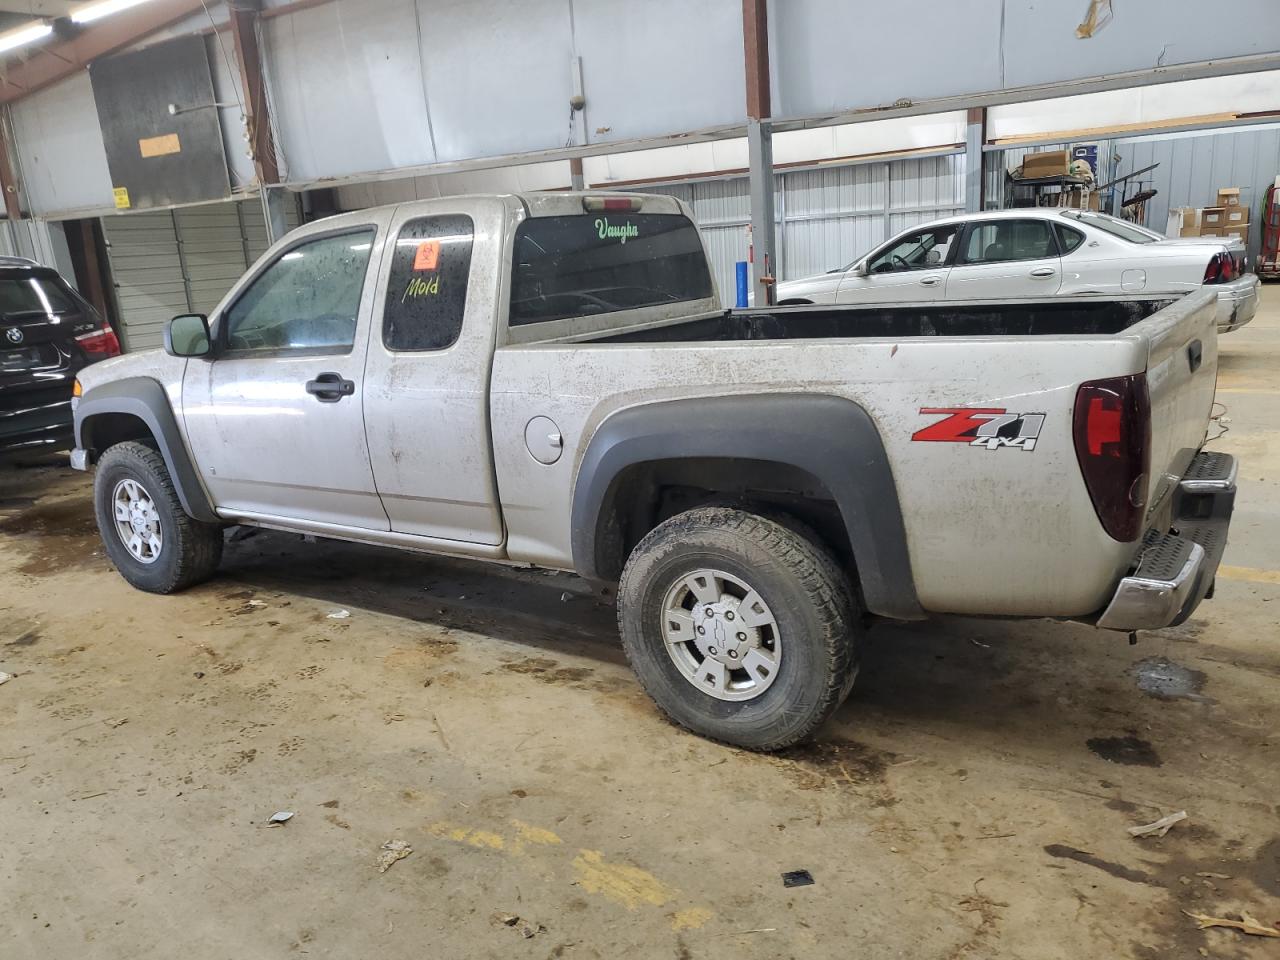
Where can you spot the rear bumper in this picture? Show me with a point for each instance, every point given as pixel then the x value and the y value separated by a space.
pixel 1238 302
pixel 1175 569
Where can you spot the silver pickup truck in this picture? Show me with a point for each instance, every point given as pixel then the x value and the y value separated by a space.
pixel 551 380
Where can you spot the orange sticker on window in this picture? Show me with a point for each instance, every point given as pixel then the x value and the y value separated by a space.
pixel 428 255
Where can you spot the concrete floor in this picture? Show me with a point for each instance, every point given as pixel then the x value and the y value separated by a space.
pixel 969 801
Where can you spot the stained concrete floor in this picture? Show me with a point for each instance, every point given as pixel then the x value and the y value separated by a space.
pixel 969 801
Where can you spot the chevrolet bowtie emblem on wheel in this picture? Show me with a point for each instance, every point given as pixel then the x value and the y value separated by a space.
pixel 13 335
pixel 990 427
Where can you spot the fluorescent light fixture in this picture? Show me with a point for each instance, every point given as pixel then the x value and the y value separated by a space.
pixel 36 30
pixel 103 8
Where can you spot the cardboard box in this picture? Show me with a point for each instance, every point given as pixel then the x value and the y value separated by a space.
pixel 1190 216
pixel 1190 231
pixel 1211 231
pixel 1241 232
pixel 1228 197
pixel 1237 216
pixel 1213 216
pixel 1050 163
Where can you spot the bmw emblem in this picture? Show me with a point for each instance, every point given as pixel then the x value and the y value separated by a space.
pixel 13 334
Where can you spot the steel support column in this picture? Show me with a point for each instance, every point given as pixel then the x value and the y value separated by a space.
pixel 755 37
pixel 575 174
pixel 273 199
pixel 257 119
pixel 974 140
pixel 8 182
pixel 763 235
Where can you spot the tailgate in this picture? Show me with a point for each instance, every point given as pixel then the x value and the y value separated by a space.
pixel 1182 373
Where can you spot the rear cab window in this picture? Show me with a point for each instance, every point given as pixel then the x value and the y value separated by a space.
pixel 427 286
pixel 566 267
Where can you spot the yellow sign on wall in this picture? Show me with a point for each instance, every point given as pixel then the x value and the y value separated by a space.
pixel 122 197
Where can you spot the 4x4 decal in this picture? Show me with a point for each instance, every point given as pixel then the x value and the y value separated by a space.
pixel 990 427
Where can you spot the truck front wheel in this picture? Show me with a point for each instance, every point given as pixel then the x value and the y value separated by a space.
pixel 151 540
pixel 740 628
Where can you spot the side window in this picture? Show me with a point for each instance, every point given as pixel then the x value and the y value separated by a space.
pixel 1068 237
pixel 916 251
pixel 427 288
pixel 997 241
pixel 308 299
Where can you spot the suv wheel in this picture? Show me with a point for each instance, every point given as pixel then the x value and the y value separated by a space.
pixel 741 628
pixel 151 540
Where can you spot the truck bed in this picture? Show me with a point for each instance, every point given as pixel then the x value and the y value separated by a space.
pixel 1080 315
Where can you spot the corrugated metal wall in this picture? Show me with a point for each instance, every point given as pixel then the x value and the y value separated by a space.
pixel 827 217
pixel 181 261
pixel 1192 168
pixel 38 240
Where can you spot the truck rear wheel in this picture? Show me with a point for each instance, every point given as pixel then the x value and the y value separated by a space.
pixel 151 540
pixel 741 629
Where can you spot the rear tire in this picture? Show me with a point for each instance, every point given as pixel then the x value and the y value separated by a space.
pixel 740 628
pixel 151 540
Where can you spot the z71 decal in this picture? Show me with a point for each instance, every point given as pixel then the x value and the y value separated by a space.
pixel 990 427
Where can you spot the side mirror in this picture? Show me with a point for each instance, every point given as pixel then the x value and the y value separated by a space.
pixel 187 335
pixel 863 269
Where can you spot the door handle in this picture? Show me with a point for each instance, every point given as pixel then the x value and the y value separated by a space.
pixel 330 387
pixel 929 281
pixel 1043 272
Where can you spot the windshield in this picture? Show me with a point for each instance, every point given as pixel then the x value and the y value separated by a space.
pixel 1117 228
pixel 579 266
pixel 40 296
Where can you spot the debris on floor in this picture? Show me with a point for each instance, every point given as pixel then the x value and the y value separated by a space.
pixel 117 722
pixel 797 878
pixel 527 928
pixel 392 851
pixel 339 614
pixel 5 677
pixel 1246 924
pixel 284 816
pixel 1160 827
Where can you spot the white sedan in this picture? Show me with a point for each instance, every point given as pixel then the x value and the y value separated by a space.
pixel 1036 252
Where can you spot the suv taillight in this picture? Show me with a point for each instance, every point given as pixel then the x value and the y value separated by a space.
pixel 1112 427
pixel 99 344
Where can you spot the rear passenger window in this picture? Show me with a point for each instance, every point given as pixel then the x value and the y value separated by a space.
pixel 427 288
pixel 999 240
pixel 1068 237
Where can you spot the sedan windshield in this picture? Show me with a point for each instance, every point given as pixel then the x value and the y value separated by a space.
pixel 1117 228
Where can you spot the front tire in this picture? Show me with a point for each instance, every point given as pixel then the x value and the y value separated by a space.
pixel 151 540
pixel 741 629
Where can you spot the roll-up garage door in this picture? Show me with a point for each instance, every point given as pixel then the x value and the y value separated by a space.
pixel 181 261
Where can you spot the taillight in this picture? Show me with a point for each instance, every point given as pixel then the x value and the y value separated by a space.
pixel 1221 269
pixel 99 344
pixel 1112 428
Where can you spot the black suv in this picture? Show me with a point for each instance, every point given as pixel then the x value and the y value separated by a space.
pixel 48 332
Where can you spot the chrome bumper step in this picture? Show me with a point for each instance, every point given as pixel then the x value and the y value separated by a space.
pixel 1176 569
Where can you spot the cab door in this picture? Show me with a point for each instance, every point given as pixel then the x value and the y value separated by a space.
pixel 275 418
pixel 1006 258
pixel 427 375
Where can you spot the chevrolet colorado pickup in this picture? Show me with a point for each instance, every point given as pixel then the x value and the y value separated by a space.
pixel 551 380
